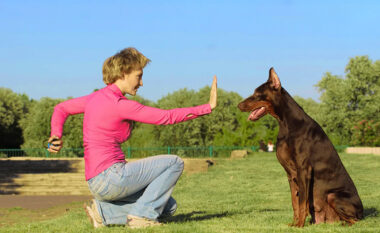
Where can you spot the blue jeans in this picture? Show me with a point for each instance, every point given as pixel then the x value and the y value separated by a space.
pixel 141 188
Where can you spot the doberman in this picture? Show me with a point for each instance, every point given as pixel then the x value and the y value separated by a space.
pixel 319 183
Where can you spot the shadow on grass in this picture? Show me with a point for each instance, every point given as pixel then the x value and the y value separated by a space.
pixel 370 212
pixel 189 217
pixel 269 210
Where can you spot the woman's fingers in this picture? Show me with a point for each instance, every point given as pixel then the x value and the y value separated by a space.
pixel 53 138
pixel 54 148
pixel 52 151
pixel 54 144
pixel 214 83
pixel 213 93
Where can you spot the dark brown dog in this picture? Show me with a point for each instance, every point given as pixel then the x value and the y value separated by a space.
pixel 319 183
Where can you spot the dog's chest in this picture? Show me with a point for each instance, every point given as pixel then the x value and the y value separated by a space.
pixel 285 155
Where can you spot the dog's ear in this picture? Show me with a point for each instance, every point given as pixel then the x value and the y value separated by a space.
pixel 273 79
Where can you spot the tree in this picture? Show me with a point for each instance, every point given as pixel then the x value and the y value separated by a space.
pixel 248 133
pixel 36 123
pixel 347 101
pixel 36 127
pixel 12 108
pixel 200 131
pixel 311 107
pixel 363 79
pixel 366 133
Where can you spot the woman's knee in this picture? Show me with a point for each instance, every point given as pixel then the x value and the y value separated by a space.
pixel 173 162
pixel 178 162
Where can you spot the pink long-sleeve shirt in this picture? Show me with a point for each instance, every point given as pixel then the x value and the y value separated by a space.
pixel 107 123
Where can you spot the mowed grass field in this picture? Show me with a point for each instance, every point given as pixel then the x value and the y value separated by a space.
pixel 239 195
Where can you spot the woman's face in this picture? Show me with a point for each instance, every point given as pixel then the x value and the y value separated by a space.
pixel 132 82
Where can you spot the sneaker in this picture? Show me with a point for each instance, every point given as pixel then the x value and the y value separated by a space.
pixel 139 222
pixel 93 214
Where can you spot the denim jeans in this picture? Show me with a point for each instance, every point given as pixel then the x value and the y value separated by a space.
pixel 141 188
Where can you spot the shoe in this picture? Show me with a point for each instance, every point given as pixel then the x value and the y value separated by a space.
pixel 139 222
pixel 93 214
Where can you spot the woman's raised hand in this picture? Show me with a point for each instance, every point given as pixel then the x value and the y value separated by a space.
pixel 213 93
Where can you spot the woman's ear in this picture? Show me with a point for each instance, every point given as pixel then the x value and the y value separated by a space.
pixel 124 76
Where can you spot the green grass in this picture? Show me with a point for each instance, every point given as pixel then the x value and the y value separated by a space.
pixel 246 195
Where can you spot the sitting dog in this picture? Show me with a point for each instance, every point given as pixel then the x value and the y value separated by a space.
pixel 319 183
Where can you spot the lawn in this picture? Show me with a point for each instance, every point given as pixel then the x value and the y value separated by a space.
pixel 240 195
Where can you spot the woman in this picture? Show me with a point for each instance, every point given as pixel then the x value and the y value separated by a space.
pixel 135 193
pixel 270 146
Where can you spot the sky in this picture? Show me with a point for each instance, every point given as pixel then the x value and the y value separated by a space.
pixel 57 48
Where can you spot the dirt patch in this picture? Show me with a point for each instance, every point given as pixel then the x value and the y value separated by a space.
pixel 37 202
pixel 27 209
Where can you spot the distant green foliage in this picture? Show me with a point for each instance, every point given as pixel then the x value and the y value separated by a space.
pixel 311 107
pixel 348 111
pixel 12 109
pixel 347 101
pixel 36 126
pixel 248 133
pixel 36 123
pixel 366 133
pixel 203 130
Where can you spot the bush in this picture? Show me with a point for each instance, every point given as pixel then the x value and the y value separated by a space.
pixel 366 133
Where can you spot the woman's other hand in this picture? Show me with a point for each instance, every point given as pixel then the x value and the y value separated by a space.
pixel 213 93
pixel 55 144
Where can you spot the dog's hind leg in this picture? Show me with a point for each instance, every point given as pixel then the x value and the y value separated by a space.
pixel 331 214
pixel 342 208
pixel 319 205
pixel 319 212
pixel 304 177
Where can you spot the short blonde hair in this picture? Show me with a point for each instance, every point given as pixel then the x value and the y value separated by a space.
pixel 123 62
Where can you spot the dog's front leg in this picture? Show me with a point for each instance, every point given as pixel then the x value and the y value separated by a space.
pixel 295 202
pixel 304 177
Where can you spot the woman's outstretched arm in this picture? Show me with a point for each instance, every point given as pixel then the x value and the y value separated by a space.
pixel 132 110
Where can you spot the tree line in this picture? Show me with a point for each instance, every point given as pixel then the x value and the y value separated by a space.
pixel 348 111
